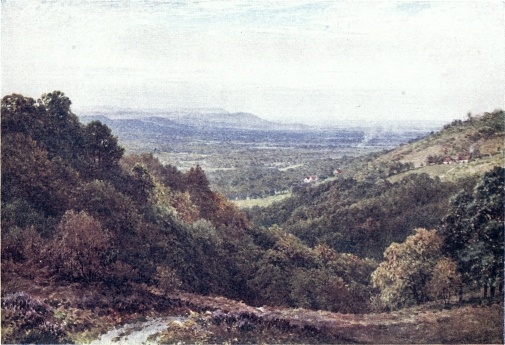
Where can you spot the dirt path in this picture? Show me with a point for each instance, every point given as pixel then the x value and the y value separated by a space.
pixel 137 333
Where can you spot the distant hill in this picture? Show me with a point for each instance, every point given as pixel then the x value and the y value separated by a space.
pixel 197 119
pixel 233 120
pixel 144 127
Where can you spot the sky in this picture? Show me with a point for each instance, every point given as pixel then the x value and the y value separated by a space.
pixel 315 62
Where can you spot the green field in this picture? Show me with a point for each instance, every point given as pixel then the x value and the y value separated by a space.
pixel 262 202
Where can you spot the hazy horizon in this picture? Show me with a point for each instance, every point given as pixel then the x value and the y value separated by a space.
pixel 312 62
pixel 115 113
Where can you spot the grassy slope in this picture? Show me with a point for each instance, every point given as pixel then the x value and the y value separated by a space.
pixel 453 172
pixel 452 141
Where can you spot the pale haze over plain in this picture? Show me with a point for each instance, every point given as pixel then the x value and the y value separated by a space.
pixel 313 62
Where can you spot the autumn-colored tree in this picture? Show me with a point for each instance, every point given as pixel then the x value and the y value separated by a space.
pixel 445 281
pixel 403 276
pixel 12 245
pixel 80 248
pixel 185 209
pixel 22 252
pixel 29 174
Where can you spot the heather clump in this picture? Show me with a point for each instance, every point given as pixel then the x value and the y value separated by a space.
pixel 26 319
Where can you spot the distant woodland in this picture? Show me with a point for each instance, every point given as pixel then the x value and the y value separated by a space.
pixel 78 212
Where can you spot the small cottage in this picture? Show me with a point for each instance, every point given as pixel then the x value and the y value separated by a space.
pixel 310 179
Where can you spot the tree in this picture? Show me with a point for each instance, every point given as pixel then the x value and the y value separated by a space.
pixel 473 232
pixel 141 185
pixel 101 149
pixel 445 280
pixel 62 135
pixel 197 183
pixel 115 210
pixel 29 174
pixel 56 104
pixel 271 278
pixel 403 276
pixel 21 114
pixel 319 289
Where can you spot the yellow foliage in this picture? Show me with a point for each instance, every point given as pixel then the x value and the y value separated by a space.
pixel 403 276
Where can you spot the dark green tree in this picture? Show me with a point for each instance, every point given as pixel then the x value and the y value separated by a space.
pixel 63 135
pixel 473 232
pixel 21 114
pixel 101 149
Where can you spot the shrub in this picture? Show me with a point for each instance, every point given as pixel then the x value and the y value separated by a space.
pixel 167 279
pixel 79 250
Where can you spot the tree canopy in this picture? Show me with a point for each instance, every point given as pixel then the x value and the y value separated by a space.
pixel 473 231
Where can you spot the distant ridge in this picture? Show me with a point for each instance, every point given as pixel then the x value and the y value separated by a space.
pixel 196 118
pixel 234 120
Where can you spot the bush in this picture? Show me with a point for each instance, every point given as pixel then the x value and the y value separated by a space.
pixel 167 279
pixel 80 248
